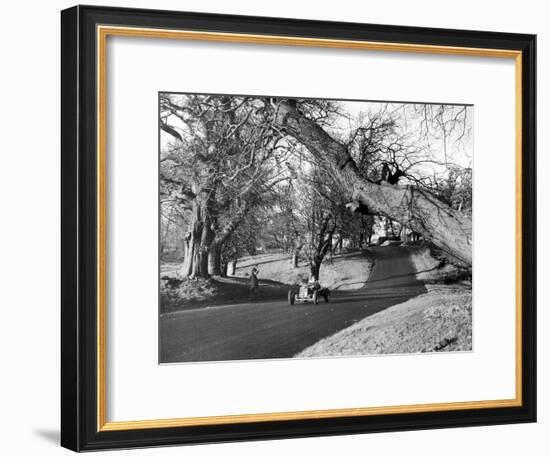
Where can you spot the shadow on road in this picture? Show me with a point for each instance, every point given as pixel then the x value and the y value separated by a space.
pixel 273 329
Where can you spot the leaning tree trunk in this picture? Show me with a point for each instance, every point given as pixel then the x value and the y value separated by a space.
pixel 410 206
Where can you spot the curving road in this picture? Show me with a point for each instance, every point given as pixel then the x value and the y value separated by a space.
pixel 273 329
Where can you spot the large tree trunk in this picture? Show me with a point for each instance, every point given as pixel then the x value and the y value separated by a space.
pixel 324 245
pixel 201 267
pixel 215 259
pixel 194 265
pixel 315 267
pixel 216 245
pixel 188 248
pixel 198 240
pixel 318 257
pixel 409 205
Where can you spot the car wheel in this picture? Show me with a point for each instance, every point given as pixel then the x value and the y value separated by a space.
pixel 291 297
pixel 315 298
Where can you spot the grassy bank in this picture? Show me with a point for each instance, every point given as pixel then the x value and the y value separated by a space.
pixel 200 293
pixel 347 271
pixel 344 272
pixel 440 320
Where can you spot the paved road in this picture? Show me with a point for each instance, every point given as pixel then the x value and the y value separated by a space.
pixel 273 329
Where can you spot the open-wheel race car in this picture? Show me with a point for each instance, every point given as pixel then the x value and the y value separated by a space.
pixel 308 294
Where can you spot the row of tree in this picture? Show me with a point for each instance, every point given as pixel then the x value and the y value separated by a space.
pixel 238 173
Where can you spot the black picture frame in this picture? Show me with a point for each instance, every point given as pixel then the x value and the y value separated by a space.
pixel 79 200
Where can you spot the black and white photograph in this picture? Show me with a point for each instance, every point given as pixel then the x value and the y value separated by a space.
pixel 299 227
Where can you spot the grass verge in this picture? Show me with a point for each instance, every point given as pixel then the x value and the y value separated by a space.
pixel 440 320
pixel 346 271
pixel 201 293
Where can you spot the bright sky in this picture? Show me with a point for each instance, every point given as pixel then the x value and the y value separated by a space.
pixel 459 143
pixel 459 149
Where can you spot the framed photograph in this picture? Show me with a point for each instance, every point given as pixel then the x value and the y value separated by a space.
pixel 277 228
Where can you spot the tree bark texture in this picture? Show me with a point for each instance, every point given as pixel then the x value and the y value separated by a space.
pixel 199 238
pixel 215 248
pixel 323 246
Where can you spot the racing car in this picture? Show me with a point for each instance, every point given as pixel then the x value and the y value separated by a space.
pixel 308 294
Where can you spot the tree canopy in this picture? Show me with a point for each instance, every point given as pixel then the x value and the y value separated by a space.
pixel 242 173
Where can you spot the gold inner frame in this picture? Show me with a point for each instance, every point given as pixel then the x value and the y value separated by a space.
pixel 101 34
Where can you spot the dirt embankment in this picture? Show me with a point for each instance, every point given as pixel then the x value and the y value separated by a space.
pixel 440 320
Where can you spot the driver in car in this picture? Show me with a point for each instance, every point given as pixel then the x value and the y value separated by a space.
pixel 313 283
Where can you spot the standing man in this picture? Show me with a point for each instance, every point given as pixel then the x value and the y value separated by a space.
pixel 254 280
